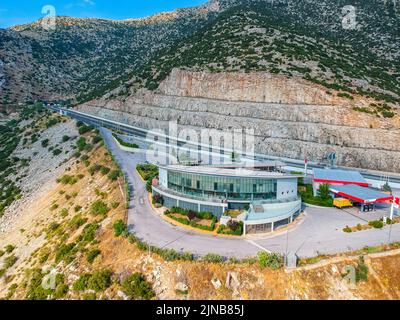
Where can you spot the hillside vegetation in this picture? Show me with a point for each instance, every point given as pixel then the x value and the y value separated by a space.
pixel 260 38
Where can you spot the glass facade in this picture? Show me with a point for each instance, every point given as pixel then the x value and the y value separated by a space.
pixel 222 187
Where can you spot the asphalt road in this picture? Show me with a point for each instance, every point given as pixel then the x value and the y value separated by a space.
pixel 319 232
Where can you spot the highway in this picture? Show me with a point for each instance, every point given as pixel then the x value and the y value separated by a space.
pixel 143 133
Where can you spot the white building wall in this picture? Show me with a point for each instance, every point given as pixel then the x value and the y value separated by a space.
pixel 286 188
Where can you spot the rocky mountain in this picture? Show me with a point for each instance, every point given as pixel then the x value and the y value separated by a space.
pixel 84 58
pixel 81 57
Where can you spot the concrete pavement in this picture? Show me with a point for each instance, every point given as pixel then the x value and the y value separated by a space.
pixel 320 232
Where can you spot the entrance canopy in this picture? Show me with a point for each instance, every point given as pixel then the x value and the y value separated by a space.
pixel 360 194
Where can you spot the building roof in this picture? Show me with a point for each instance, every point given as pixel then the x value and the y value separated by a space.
pixel 339 176
pixel 254 164
pixel 360 194
pixel 239 172
pixel 269 212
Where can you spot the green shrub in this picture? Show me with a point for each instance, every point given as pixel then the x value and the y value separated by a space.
pixel 308 197
pixel 35 289
pixel 81 144
pixel 347 229
pixel 61 291
pixel 57 152
pixel 94 168
pixel 104 170
pixel 67 179
pixel 99 208
pixel 115 205
pixel 10 261
pixel 91 296
pixel 120 228
pixel 45 143
pixel 9 248
pixel 65 252
pixel 124 143
pixel 76 222
pixel 273 261
pixel 89 232
pixel 361 270
pixel 65 138
pixel 213 258
pixel 235 229
pixel 147 171
pixel 85 129
pixel 92 254
pixel 81 283
pixel 136 287
pixel 96 139
pixel 100 280
pixel 377 224
pixel 54 206
pixel 114 175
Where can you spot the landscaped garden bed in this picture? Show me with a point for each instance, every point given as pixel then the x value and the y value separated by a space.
pixel 200 220
pixel 124 143
pixel 374 224
pixel 148 172
pixel 322 199
pixel 233 228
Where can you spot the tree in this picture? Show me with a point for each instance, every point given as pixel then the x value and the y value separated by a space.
pixel 323 191
pixel 136 287
pixel 386 188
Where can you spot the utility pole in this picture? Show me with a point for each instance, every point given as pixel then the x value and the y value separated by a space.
pixel 305 167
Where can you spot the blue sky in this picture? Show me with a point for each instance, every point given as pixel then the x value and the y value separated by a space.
pixel 13 12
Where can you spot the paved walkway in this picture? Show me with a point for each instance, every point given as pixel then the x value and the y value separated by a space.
pixel 319 232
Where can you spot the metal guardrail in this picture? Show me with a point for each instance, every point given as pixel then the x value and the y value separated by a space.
pixel 140 132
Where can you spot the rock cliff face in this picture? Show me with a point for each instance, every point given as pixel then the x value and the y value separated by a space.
pixel 290 117
pixel 251 87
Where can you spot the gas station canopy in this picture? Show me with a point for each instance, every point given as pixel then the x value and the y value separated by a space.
pixel 360 194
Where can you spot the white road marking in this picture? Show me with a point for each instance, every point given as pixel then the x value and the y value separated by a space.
pixel 258 246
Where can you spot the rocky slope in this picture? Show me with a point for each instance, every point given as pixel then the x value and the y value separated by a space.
pixel 290 117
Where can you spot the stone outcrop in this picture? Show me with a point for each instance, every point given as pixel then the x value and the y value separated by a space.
pixel 251 87
pixel 290 117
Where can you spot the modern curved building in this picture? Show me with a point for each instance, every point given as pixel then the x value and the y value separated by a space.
pixel 217 189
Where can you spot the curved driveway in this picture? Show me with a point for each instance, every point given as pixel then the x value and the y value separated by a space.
pixel 319 232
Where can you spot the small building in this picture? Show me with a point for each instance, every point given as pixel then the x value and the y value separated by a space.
pixel 335 177
pixel 366 197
